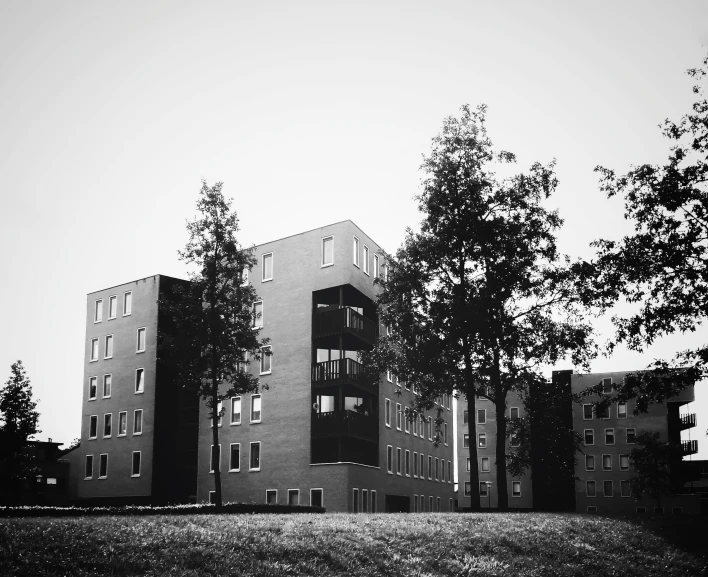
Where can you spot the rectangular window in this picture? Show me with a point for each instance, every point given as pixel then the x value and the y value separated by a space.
pixel 138 422
pixel 398 416
pixel 266 360
pixel 609 436
pixel 293 496
pixel 590 488
pixel 621 410
pixel 373 501
pixel 356 251
pixel 236 410
pixel 272 496
pixel 430 503
pixel 98 311
pixel 624 462
pixel 589 462
pixel 255 459
pixel 258 315
pixel 483 489
pixel 388 377
pixel 376 266
pixel 327 251
pixel 607 386
pixel 415 464
pixel 421 475
pixel 485 465
pixel 88 468
pixel 430 428
pixel 364 501
pixel 215 460
pixel 606 462
pixel 587 412
pixel 430 467
pixel 387 412
pixel 481 416
pixel 112 307
pixel 108 349
pixel 212 497
pixel 406 422
pixel 107 423
pixel 465 441
pixel 445 433
pixel 607 488
pixel 514 413
pixel 366 259
pixel 122 424
pixel 604 412
pixel 107 381
pixel 219 412
pixel 591 509
pixel 103 466
pixel 589 435
pixel 141 340
pixel 235 457
pixel 355 500
pixel 127 303
pixel 399 469
pixel 389 459
pixel 464 417
pixel 516 488
pixel 515 440
pixel 385 277
pixel 139 381
pixel 267 267
pixel 625 489
pixel 255 408
pixel 468 489
pixel 92 387
pixel 449 472
pixel 136 464
pixel 408 463
pixel 437 469
pixel 482 440
pixel 93 426
pixel 94 350
pixel 631 436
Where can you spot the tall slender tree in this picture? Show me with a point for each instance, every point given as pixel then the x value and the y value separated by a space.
pixel 213 339
pixel 479 300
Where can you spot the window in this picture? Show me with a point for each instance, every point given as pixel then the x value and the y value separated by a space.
pixel 421 474
pixel 445 433
pixel 94 350
pixel 485 465
pixel 482 440
pixel 587 412
pixel 621 410
pixel 430 428
pixel 514 413
pixel 607 488
pixel 589 462
pixel 373 501
pixel 93 426
pixel 468 489
pixel 258 315
pixel 107 380
pixel 609 436
pixel 327 251
pixel 625 489
pixel 235 457
pixel 607 386
pixel 136 464
pixel 385 277
pixel 255 459
pixel 589 435
pixel 437 469
pixel 465 441
pixel 267 260
pixel 122 424
pixel 398 461
pixel 88 468
pixel 604 412
pixel 398 416
pixel 272 496
pixel 430 467
pixel 408 463
pixel 92 388
pixel 631 436
pixel 355 500
pixel 112 307
pixel 483 492
pixel 138 422
pixel 387 412
pixel 219 412
pixel 430 503
pixel 449 472
pixel 108 349
pixel 293 496
pixel 235 410
pixel 215 458
pixel 388 376
pixel 515 440
pixel 107 423
pixel 415 464
pixel 606 462
pixel 406 422
pixel 415 503
pixel 591 509
pixel 356 251
pixel 266 360
pixel 464 417
pixel 141 340
pixel 98 311
pixel 641 510
pixel 139 381
pixel 102 466
pixel 624 462
pixel 255 408
pixel 127 303
pixel 421 426
pixel 366 259
pixel 481 416
pixel 590 488
pixel 376 266
pixel 212 497
pixel 389 459
pixel 516 488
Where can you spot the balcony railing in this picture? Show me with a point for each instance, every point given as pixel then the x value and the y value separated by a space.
pixel 346 424
pixel 689 447
pixel 688 421
pixel 345 320
pixel 340 372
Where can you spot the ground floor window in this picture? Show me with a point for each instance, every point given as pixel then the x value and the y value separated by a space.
pixel 293 496
pixel 271 496
pixel 316 499
pixel 364 501
pixel 355 500
pixel 373 501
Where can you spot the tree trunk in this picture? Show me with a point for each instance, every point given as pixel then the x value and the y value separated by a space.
pixel 500 408
pixel 472 435
pixel 215 440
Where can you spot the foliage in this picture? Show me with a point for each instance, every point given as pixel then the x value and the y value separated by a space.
pixel 479 299
pixel 211 340
pixel 652 460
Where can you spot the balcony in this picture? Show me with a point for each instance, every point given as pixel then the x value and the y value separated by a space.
pixel 345 424
pixel 341 372
pixel 347 322
pixel 687 421
pixel 689 447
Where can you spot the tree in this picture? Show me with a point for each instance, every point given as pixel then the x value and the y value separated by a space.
pixel 662 267
pixel 18 422
pixel 479 299
pixel 652 460
pixel 212 340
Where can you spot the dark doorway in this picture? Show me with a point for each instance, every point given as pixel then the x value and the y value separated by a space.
pixel 398 504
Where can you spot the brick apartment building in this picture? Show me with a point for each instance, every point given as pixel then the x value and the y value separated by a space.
pixel 319 434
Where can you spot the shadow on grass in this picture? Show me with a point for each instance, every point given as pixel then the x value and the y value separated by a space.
pixel 684 532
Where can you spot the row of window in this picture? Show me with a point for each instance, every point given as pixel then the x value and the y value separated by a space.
pixel 482 441
pixel 108 345
pixel 607 462
pixel 139 385
pixel 254 457
pixel 103 466
pixel 113 307
pixel 235 418
pixel 643 510
pixel 271 498
pixel 122 424
pixel 482 416
pixel 484 489
pixel 419 424
pixel 589 436
pixel 444 401
pixel 604 413
pixel 403 465
pixel 433 505
pixel 607 489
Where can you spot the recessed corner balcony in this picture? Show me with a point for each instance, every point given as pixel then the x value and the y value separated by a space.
pixel 344 321
pixel 689 447
pixel 345 424
pixel 687 421
pixel 341 372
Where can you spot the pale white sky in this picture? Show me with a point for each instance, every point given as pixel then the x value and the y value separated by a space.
pixel 311 113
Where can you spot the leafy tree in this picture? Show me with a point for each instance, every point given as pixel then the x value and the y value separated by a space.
pixel 652 460
pixel 662 267
pixel 479 299
pixel 18 422
pixel 212 340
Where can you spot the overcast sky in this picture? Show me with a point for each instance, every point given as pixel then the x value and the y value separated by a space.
pixel 310 113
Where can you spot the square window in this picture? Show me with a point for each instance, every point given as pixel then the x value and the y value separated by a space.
pixel 356 251
pixel 485 465
pixel 607 386
pixel 631 436
pixel 398 461
pixel 376 266
pixel 624 462
pixel 98 311
pixel 589 436
pixel 465 441
pixel 625 489
pixel 141 340
pixel 127 303
pixel 88 468
pixel 516 488
pixel 107 423
pixel 267 260
pixel 138 422
pixel 408 463
pixel 609 436
pixel 92 387
pixel 235 457
pixel 481 416
pixel 108 349
pixel 398 416
pixel 387 412
pixel 621 410
pixel 255 459
pixel 590 488
pixel 122 424
pixel 483 489
pixel 587 412
pixel 266 360
pixel 607 488
pixel 103 466
pixel 327 251
pixel 389 459
pixel 366 259
pixel 236 410
pixel 271 496
pixel 136 464
pixel 107 381
pixel 258 315
pixel 589 462
pixel 94 350
pixel 606 462
pixel 482 440
pixel 255 408
pixel 215 460
pixel 112 307
pixel 93 426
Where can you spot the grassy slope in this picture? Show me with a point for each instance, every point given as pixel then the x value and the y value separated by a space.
pixel 410 545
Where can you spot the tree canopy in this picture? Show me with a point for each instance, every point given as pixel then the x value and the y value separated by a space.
pixel 651 460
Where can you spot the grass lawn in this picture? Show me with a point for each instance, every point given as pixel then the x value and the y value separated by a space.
pixel 341 544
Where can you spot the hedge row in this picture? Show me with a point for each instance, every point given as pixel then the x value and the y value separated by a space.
pixel 191 509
